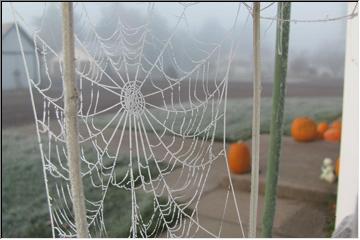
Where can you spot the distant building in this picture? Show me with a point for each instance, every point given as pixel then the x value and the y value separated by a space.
pixel 13 71
pixel 84 64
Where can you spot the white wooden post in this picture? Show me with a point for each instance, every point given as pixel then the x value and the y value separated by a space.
pixel 70 106
pixel 348 185
pixel 255 146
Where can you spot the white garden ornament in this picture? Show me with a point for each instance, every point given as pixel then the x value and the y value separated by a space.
pixel 328 171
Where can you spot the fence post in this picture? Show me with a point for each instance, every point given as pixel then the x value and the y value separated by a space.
pixel 348 183
pixel 71 125
pixel 255 145
pixel 276 128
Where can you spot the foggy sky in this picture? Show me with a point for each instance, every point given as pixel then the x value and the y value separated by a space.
pixel 310 43
pixel 304 36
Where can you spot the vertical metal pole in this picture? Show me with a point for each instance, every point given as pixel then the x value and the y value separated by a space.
pixel 72 143
pixel 255 146
pixel 276 129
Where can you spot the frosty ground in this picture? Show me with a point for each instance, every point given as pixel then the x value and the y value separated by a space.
pixel 23 188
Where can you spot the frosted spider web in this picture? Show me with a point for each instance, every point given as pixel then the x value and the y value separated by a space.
pixel 142 129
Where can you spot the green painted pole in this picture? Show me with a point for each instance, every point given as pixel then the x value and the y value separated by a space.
pixel 276 128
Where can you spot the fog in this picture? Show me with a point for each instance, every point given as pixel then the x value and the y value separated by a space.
pixel 316 51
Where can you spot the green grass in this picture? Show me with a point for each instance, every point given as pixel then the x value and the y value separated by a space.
pixel 239 116
pixel 24 209
pixel 24 202
pixel 331 217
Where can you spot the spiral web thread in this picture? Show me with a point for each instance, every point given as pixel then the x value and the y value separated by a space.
pixel 132 115
pixel 180 145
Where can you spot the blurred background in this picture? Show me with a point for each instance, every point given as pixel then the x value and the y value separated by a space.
pixel 316 52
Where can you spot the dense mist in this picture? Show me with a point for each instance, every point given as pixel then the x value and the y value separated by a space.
pixel 316 51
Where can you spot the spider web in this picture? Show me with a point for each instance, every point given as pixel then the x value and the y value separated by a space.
pixel 122 79
pixel 149 112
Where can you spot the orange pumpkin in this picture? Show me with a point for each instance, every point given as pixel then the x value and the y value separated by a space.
pixel 336 124
pixel 337 167
pixel 332 135
pixel 304 129
pixel 239 157
pixel 321 128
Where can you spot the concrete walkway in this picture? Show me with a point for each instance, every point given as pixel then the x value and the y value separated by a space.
pixel 302 205
pixel 299 171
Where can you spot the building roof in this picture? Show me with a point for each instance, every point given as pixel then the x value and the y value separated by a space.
pixel 5 28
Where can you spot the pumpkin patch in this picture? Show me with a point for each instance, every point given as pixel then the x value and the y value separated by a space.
pixel 239 158
pixel 321 129
pixel 337 125
pixel 304 129
pixel 332 135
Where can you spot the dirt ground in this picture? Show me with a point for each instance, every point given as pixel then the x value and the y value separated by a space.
pixel 17 108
